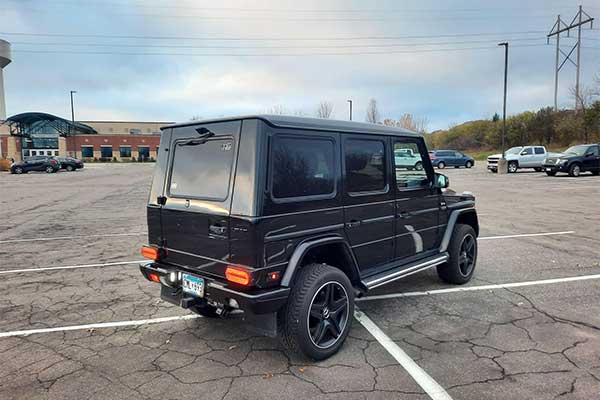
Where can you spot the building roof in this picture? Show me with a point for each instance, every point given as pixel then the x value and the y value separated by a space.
pixel 285 121
pixel 30 122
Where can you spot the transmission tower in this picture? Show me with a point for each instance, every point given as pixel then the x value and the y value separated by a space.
pixel 559 27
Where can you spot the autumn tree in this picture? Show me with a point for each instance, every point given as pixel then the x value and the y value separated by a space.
pixel 372 112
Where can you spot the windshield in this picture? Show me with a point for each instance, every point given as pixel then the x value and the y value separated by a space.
pixel 514 150
pixel 577 150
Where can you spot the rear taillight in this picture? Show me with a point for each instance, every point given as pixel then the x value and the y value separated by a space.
pixel 154 277
pixel 53 162
pixel 237 275
pixel 150 252
pixel 431 157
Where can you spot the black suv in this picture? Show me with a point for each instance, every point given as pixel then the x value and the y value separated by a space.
pixel 35 163
pixel 575 160
pixel 284 220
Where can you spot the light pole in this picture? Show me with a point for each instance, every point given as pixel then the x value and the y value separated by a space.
pixel 72 109
pixel 350 101
pixel 502 165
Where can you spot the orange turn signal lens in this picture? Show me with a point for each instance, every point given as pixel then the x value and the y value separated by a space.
pixel 150 252
pixel 237 275
pixel 154 278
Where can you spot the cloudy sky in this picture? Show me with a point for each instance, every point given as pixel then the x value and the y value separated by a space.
pixel 172 60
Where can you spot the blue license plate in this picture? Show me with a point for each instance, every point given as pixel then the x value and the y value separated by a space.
pixel 192 285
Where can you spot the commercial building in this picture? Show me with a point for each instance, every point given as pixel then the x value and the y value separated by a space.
pixel 34 133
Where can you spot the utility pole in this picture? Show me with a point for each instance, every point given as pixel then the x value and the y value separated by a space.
pixel 559 27
pixel 350 101
pixel 503 166
pixel 72 109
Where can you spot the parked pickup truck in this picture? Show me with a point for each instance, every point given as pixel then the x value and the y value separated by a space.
pixel 520 157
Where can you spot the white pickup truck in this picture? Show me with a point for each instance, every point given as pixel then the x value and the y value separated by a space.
pixel 520 157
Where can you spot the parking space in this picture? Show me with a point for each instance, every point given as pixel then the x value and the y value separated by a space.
pixel 523 329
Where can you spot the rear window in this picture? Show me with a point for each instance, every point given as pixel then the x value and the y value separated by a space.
pixel 202 170
pixel 302 167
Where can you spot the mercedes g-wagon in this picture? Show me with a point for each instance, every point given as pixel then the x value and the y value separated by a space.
pixel 283 221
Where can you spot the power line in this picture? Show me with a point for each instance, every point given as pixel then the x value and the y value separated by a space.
pixel 250 39
pixel 267 54
pixel 337 46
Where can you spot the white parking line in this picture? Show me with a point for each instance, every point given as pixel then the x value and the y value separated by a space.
pixel 99 325
pixel 526 235
pixel 427 383
pixel 110 264
pixel 482 287
pixel 72 237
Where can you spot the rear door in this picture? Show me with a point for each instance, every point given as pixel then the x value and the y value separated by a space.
pixel 197 196
pixel 368 199
pixel 539 154
pixel 417 206
pixel 591 159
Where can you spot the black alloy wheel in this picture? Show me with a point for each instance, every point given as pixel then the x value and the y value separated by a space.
pixel 466 259
pixel 328 314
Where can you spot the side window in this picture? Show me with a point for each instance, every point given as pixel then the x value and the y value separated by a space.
pixel 527 151
pixel 410 173
pixel 458 155
pixel 539 150
pixel 365 163
pixel 302 167
pixel 593 150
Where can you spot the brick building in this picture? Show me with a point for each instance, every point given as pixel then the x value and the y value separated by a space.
pixel 31 134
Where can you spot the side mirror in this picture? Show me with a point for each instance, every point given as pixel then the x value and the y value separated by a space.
pixel 441 181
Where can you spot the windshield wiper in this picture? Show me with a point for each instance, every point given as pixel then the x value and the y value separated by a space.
pixel 205 134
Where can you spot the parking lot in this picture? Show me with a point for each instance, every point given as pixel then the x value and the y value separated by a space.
pixel 77 319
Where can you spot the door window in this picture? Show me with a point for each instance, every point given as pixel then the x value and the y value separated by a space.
pixel 539 150
pixel 527 151
pixel 593 150
pixel 410 173
pixel 201 170
pixel 365 164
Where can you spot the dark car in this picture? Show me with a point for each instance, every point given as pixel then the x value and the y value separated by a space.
pixel 36 163
pixel 575 160
pixel 450 158
pixel 284 220
pixel 70 163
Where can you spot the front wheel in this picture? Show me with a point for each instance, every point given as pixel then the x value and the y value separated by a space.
pixel 460 266
pixel 317 317
pixel 538 169
pixel 575 170
pixel 441 165
pixel 18 170
pixel 49 170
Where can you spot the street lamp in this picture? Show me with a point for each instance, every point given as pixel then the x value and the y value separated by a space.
pixel 350 101
pixel 502 165
pixel 72 110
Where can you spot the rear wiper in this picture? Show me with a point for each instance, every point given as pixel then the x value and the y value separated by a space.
pixel 205 134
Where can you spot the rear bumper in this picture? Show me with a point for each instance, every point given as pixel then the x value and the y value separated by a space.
pixel 259 302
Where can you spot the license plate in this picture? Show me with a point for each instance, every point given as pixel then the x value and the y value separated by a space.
pixel 192 285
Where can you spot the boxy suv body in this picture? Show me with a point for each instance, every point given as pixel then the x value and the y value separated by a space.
pixel 284 220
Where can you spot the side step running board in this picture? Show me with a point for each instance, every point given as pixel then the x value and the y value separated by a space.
pixel 404 270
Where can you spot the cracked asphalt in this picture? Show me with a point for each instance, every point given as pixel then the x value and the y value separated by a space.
pixel 531 342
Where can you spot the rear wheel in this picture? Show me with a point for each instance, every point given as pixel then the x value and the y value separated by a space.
pixel 49 169
pixel 551 173
pixel 317 317
pixel 575 170
pixel 419 166
pixel 513 167
pixel 441 165
pixel 70 168
pixel 463 256
pixel 468 164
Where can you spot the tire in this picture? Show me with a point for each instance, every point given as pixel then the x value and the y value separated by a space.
pixel 513 166
pixel 595 173
pixel 418 166
pixel 468 164
pixel 305 325
pixel 460 267
pixel 49 170
pixel 441 165
pixel 70 168
pixel 551 173
pixel 575 170
pixel 538 169
pixel 18 170
pixel 205 310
